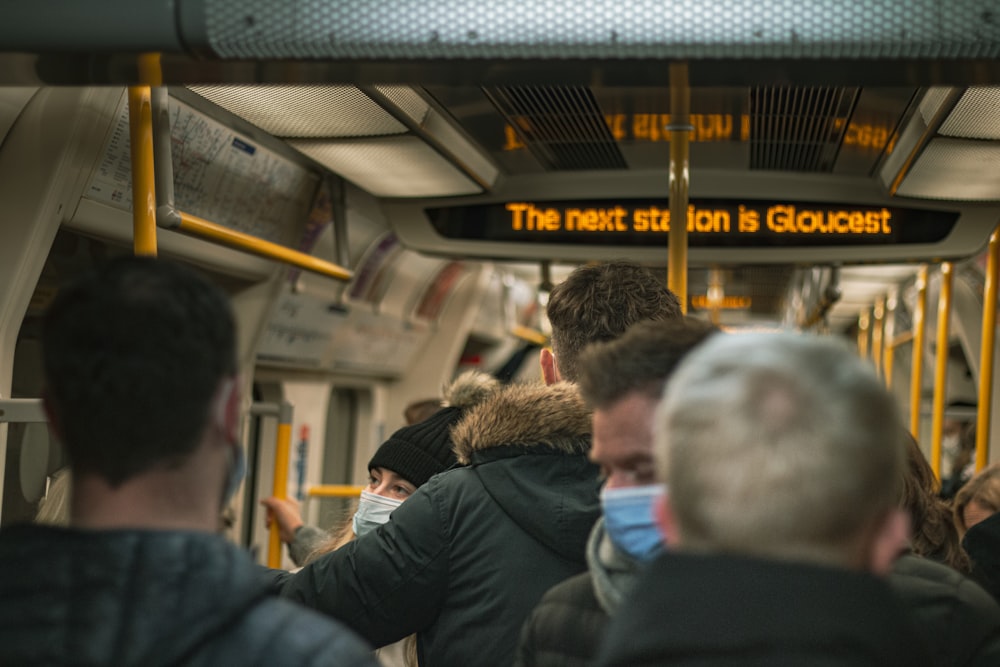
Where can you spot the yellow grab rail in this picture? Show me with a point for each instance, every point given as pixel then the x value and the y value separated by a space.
pixel 677 239
pixel 530 335
pixel 140 130
pixel 985 401
pixel 917 371
pixel 334 491
pixel 282 454
pixel 864 325
pixel 204 229
pixel 147 163
pixel 941 366
pixel 878 331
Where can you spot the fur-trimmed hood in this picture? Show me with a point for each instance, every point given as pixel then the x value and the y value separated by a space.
pixel 528 415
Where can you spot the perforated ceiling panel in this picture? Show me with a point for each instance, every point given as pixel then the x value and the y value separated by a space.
pixel 390 166
pixel 305 111
pixel 975 115
pixel 402 29
pixel 957 169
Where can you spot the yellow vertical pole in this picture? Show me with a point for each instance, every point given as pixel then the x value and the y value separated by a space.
pixel 140 125
pixel 680 104
pixel 941 366
pixel 917 371
pixel 888 337
pixel 985 401
pixel 878 329
pixel 282 454
pixel 864 325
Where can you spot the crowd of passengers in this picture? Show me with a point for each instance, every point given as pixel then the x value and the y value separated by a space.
pixel 669 494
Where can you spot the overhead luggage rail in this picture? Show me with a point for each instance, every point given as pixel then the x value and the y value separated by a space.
pixel 153 190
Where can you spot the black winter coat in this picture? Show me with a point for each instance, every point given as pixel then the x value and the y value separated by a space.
pixel 982 543
pixel 691 610
pixel 958 620
pixel 149 598
pixel 566 628
pixel 464 560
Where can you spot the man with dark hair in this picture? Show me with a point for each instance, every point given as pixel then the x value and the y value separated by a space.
pixel 141 388
pixel 596 303
pixel 467 557
pixel 622 381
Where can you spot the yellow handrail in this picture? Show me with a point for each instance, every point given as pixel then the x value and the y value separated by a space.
pixel 878 331
pixel 917 371
pixel 334 491
pixel 941 366
pixel 530 335
pixel 140 129
pixel 985 401
pixel 677 241
pixel 196 226
pixel 282 454
pixel 864 324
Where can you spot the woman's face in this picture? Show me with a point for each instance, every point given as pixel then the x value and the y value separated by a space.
pixel 386 483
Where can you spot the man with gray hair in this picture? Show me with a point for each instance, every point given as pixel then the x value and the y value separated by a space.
pixel 781 455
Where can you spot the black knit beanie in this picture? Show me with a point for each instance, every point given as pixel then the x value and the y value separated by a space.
pixel 422 450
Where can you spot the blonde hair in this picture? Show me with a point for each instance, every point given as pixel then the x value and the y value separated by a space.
pixel 983 489
pixel 341 534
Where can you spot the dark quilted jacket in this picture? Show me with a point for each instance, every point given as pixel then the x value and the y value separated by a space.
pixel 151 598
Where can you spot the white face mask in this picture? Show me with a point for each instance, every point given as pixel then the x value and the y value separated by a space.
pixel 373 511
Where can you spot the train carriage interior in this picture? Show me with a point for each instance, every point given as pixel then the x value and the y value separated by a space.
pixel 828 193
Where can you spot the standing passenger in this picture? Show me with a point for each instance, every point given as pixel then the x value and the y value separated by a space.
pixel 464 560
pixel 782 456
pixel 622 381
pixel 978 520
pixel 959 621
pixel 141 388
pixel 402 464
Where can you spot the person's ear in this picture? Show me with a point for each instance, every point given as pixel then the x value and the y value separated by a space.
pixel 664 513
pixel 550 374
pixel 54 426
pixel 226 415
pixel 892 535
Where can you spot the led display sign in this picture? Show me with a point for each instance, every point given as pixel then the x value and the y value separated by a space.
pixel 710 223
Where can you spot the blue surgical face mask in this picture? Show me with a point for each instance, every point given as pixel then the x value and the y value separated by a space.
pixel 373 511
pixel 629 520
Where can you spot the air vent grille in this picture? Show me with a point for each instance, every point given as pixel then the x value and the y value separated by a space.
pixel 798 129
pixel 561 125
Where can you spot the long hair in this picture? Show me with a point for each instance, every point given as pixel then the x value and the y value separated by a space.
pixel 934 533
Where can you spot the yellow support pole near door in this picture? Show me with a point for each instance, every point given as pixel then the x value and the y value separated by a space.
pixel 985 401
pixel 282 454
pixel 917 371
pixel 878 331
pixel 941 366
pixel 140 131
pixel 680 128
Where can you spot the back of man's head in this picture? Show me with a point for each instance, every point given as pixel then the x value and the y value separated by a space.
pixel 133 355
pixel 599 302
pixel 783 446
pixel 641 360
